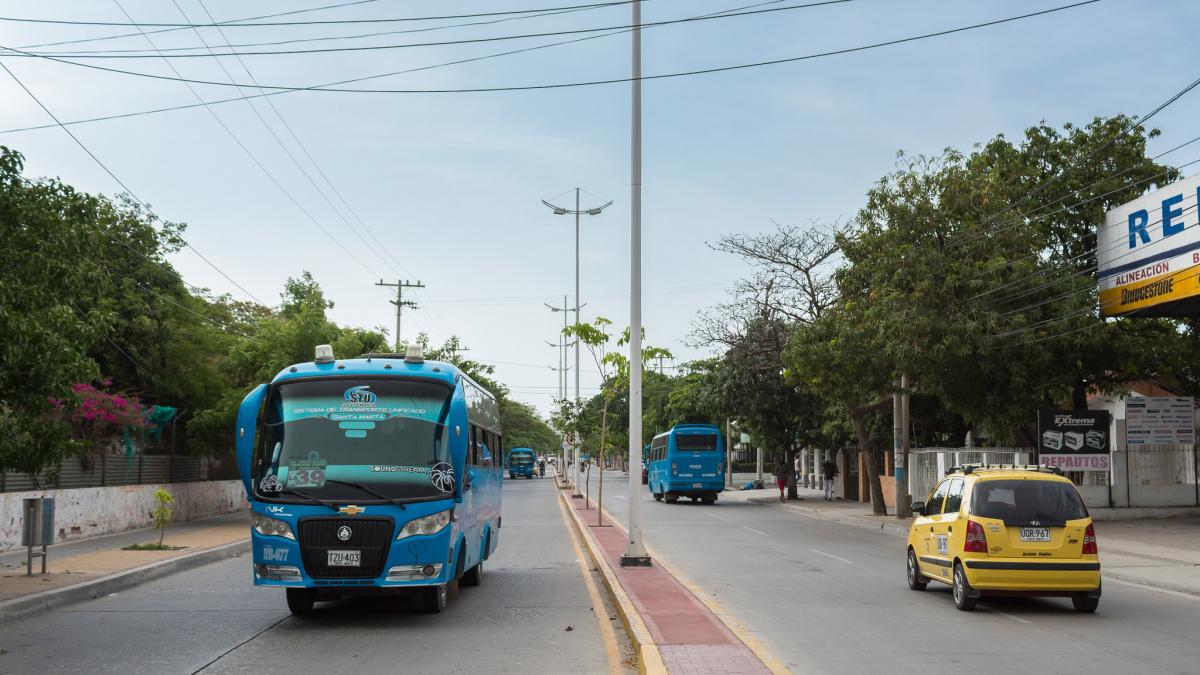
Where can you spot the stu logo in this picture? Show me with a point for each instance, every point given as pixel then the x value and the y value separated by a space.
pixel 273 554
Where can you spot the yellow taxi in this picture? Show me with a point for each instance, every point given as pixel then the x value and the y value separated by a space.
pixel 1005 531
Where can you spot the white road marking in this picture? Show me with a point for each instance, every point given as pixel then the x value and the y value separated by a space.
pixel 1007 615
pixel 755 531
pixel 1147 587
pixel 723 520
pixel 830 555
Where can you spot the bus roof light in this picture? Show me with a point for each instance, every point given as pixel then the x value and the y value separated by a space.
pixel 324 354
pixel 414 354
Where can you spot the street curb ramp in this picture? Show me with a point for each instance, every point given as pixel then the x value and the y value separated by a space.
pixel 45 601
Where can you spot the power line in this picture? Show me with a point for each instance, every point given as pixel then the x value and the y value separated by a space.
pixel 586 83
pixel 240 23
pixel 124 187
pixel 443 43
pixel 365 78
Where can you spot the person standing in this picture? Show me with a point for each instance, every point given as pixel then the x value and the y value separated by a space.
pixel 782 469
pixel 796 466
pixel 828 471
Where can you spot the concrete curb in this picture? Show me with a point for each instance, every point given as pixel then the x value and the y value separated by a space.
pixel 45 601
pixel 649 658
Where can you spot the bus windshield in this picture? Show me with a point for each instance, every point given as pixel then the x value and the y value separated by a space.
pixel 696 442
pixel 520 458
pixel 322 437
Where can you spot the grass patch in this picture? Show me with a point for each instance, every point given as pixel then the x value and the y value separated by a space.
pixel 152 547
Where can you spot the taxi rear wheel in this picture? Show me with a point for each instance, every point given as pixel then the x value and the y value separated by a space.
pixel 1083 603
pixel 961 590
pixel 916 580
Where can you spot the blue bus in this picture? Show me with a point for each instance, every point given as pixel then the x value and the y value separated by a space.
pixel 687 461
pixel 521 462
pixel 370 474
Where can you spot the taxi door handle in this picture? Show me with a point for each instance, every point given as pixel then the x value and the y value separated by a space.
pixel 931 528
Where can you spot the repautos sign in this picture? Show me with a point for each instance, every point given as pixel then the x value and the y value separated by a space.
pixel 1075 440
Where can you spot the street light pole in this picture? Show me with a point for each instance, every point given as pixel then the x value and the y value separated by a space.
pixel 560 211
pixel 635 555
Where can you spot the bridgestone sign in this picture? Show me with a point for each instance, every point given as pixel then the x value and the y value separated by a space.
pixel 1077 440
pixel 1148 252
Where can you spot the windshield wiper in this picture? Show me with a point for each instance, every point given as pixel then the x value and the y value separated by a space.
pixel 309 497
pixel 369 490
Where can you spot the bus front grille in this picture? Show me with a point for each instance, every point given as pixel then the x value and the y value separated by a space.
pixel 371 536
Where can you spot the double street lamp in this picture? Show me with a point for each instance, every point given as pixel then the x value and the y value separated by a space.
pixel 562 211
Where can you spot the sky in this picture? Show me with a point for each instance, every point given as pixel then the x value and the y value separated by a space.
pixel 446 188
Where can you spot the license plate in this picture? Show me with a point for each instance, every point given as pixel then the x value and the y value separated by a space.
pixel 696 485
pixel 1035 534
pixel 344 558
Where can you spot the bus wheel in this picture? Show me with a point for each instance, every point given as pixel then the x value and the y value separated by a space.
pixel 657 496
pixel 473 576
pixel 434 598
pixel 709 500
pixel 300 600
pixel 672 498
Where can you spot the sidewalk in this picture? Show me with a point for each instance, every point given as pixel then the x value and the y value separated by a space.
pixel 674 630
pixel 81 569
pixel 1159 552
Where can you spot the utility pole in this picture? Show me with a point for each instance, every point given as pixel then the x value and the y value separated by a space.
pixel 635 555
pixel 561 211
pixel 729 453
pixel 900 446
pixel 401 303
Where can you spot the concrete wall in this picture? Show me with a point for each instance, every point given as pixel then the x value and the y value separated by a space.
pixel 88 512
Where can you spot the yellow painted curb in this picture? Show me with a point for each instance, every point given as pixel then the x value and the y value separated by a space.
pixel 739 631
pixel 649 658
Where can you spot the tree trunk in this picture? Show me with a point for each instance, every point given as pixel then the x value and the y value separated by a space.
pixel 867 450
pixel 791 482
pixel 1079 396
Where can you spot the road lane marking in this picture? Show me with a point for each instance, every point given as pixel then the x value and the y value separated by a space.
pixel 1007 615
pixel 599 609
pixel 830 555
pixel 1148 587
pixel 755 531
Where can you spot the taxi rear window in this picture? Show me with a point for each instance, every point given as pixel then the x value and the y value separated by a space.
pixel 1027 500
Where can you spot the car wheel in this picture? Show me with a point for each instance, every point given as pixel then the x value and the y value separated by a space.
pixel 961 590
pixel 1083 603
pixel 300 600
pixel 434 598
pixel 473 576
pixel 916 580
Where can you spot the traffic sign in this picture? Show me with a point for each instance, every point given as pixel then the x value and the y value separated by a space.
pixel 569 439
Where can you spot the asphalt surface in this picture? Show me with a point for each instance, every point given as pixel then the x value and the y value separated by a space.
pixel 830 598
pixel 212 620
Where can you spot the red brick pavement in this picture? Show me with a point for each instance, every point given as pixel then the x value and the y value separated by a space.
pixel 689 637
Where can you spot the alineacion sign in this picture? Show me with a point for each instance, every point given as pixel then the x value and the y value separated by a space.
pixel 1148 252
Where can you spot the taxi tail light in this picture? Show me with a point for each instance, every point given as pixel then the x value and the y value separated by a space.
pixel 976 539
pixel 1089 541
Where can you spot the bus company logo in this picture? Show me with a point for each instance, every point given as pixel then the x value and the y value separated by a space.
pixel 360 396
pixel 344 533
pixel 442 477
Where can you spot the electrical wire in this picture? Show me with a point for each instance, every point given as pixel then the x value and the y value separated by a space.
pixel 589 83
pixel 241 23
pixel 445 64
pixel 444 43
pixel 124 187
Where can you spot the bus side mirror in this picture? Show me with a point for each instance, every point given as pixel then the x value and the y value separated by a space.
pixel 244 432
pixel 918 508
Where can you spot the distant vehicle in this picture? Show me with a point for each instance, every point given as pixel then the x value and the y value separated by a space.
pixel 1005 531
pixel 552 460
pixel 645 465
pixel 687 461
pixel 521 463
pixel 368 474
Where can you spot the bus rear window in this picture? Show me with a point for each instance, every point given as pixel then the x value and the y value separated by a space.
pixel 696 442
pixel 1027 500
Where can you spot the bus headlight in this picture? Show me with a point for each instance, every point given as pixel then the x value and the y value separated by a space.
pixel 270 526
pixel 427 525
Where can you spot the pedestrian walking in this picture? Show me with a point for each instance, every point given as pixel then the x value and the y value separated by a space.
pixel 828 471
pixel 781 477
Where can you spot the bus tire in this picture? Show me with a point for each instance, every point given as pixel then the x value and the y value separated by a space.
pixel 300 600
pixel 473 576
pixel 672 498
pixel 710 499
pixel 657 496
pixel 434 598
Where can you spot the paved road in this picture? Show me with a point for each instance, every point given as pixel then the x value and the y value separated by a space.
pixel 213 620
pixel 830 598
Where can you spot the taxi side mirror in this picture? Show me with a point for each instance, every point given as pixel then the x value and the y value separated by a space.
pixel 918 508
